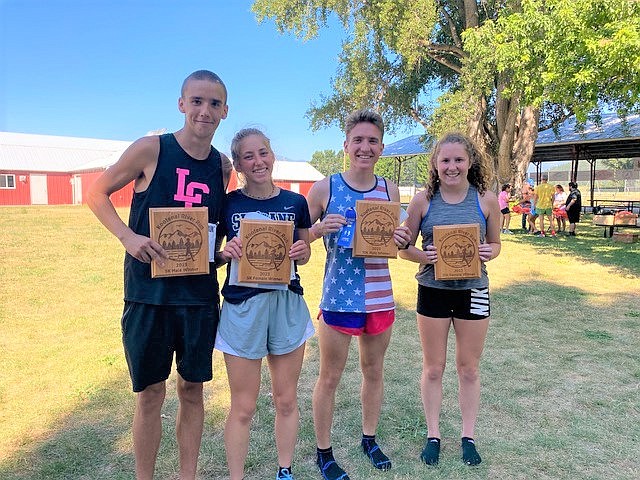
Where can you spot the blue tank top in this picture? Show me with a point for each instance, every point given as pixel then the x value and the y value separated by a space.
pixel 354 284
pixel 443 213
pixel 179 181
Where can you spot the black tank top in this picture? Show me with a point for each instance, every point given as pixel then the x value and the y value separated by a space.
pixel 179 181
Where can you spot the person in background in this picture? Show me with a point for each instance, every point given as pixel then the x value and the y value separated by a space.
pixel 503 203
pixel 543 197
pixel 456 194
pixel 559 208
pixel 261 322
pixel 574 207
pixel 168 315
pixel 357 297
pixel 526 205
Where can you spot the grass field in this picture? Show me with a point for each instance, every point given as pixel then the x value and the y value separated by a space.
pixel 560 373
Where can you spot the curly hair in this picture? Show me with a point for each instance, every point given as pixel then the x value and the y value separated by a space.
pixel 477 174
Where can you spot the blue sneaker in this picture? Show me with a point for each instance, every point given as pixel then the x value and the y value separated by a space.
pixel 284 474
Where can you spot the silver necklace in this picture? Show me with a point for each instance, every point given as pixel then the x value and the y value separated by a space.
pixel 256 197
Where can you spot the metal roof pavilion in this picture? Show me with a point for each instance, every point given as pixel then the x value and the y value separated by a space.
pixel 413 145
pixel 613 138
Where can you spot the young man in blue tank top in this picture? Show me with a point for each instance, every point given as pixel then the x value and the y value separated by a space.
pixel 357 299
pixel 173 170
pixel 456 194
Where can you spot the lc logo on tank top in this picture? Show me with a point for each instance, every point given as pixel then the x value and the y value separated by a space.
pixel 186 191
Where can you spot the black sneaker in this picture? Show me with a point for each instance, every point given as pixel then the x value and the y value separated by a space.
pixel 377 458
pixel 470 455
pixel 329 469
pixel 431 451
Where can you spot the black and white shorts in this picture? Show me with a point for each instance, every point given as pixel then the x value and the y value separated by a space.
pixel 470 304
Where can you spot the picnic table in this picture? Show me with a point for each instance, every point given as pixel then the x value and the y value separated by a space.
pixel 609 222
pixel 632 206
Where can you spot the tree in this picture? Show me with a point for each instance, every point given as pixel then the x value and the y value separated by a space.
pixel 414 171
pixel 506 69
pixel 328 161
pixel 619 163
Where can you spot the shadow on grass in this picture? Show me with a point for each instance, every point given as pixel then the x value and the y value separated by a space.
pixel 559 396
pixel 560 382
pixel 94 440
pixel 90 442
pixel 588 245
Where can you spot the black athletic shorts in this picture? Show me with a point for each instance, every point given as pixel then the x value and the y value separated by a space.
pixel 573 215
pixel 151 334
pixel 471 304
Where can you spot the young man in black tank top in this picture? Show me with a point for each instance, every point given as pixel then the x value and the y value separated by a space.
pixel 181 312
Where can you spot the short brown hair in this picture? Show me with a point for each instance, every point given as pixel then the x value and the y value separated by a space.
pixel 204 75
pixel 364 116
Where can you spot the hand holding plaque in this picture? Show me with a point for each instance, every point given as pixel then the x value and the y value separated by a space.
pixel 265 251
pixel 184 235
pixel 458 255
pixel 375 223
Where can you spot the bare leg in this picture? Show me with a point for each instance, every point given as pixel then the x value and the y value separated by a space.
pixel 433 337
pixel 285 372
pixel 470 336
pixel 372 351
pixel 147 429
pixel 334 349
pixel 541 223
pixel 244 383
pixel 189 424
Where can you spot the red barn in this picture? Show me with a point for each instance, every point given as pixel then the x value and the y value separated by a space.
pixel 47 170
pixel 295 176
pixel 50 170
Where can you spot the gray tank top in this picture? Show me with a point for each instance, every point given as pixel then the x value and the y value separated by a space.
pixel 442 213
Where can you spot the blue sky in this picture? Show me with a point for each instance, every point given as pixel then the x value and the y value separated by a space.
pixel 112 69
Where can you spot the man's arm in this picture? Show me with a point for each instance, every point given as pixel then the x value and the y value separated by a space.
pixel 137 163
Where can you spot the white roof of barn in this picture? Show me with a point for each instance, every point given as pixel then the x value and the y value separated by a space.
pixel 288 171
pixel 47 153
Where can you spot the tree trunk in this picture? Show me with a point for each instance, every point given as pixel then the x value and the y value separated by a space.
pixel 481 139
pixel 524 144
pixel 506 120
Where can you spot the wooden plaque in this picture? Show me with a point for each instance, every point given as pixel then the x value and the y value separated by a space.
pixel 375 223
pixel 184 234
pixel 458 255
pixel 265 251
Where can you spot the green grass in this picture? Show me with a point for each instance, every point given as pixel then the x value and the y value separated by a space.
pixel 560 372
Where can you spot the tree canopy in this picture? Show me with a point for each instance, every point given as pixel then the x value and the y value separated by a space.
pixel 328 162
pixel 505 69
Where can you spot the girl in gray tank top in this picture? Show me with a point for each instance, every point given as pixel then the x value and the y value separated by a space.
pixel 442 213
pixel 456 194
